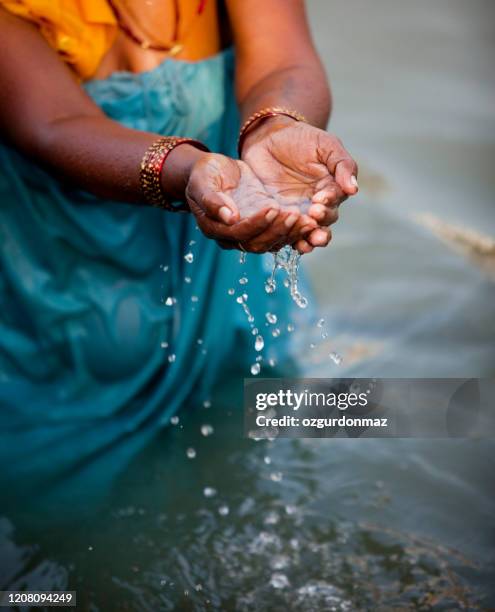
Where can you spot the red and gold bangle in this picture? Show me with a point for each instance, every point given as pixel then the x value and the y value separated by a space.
pixel 151 169
pixel 265 113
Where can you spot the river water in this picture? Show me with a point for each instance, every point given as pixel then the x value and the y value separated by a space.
pixel 407 289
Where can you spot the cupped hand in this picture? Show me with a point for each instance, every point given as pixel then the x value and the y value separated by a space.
pixel 232 206
pixel 301 165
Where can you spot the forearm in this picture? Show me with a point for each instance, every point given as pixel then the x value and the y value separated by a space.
pixel 276 61
pixel 45 114
pixel 104 158
pixel 303 88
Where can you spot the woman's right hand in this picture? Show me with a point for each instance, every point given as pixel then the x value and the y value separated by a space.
pixel 232 207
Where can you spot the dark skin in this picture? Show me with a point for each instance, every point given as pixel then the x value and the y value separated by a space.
pixel 45 113
pixel 295 161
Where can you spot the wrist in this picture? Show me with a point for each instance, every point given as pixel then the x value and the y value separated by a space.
pixel 177 169
pixel 278 113
pixel 263 129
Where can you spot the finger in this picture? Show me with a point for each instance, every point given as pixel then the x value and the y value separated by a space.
pixel 319 237
pixel 243 230
pixel 346 176
pixel 220 207
pixel 304 225
pixel 317 211
pixel 275 235
pixel 340 164
pixel 329 216
pixel 303 247
pixel 330 194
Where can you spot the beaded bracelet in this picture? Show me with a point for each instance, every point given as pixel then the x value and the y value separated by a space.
pixel 151 169
pixel 272 111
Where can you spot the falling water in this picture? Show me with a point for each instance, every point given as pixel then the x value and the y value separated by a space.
pixel 287 259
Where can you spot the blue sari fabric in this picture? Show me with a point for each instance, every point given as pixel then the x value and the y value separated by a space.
pixel 86 377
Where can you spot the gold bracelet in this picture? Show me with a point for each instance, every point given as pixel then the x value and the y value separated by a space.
pixel 272 111
pixel 151 169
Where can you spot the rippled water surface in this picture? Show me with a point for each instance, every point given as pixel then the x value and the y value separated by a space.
pixel 206 519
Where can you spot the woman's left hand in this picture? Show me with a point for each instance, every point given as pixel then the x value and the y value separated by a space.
pixel 298 163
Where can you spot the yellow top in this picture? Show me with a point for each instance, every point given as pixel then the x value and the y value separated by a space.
pixel 83 31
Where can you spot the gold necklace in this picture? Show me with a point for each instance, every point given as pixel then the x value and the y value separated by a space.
pixel 174 47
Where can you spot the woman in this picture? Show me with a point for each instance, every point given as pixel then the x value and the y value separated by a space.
pixel 93 362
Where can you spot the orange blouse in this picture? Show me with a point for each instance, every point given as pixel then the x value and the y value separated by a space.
pixel 83 31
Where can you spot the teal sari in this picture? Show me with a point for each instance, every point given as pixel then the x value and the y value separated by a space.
pixel 93 358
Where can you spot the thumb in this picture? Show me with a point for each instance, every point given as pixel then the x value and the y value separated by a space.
pixel 346 176
pixel 218 206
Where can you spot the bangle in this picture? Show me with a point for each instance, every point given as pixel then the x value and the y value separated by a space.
pixel 151 169
pixel 272 111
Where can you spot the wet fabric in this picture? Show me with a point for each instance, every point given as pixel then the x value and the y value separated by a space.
pixel 92 359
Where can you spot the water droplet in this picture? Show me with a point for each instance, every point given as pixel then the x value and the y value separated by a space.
pixel 194 298
pixel 259 343
pixel 271 518
pixel 169 301
pixel 279 562
pixel 290 328
pixel 267 460
pixel 164 268
pixel 187 279
pixel 270 286
pixel 290 510
pixel 171 358
pixel 276 476
pixel 189 257
pixel 324 335
pixel 336 358
pixel 192 242
pixel 243 280
pixel 276 332
pixel 288 260
pixel 199 341
pixel 223 510
pixel 174 420
pixel 279 581
pixel 320 323
pixel 242 258
pixel 191 453
pixel 245 296
pixel 207 404
pixel 312 345
pixel 239 299
pixel 272 363
pixel 259 358
pixel 209 492
pixel 231 291
pixel 255 369
pixel 271 318
pixel 254 331
pixel 164 344
pixel 206 430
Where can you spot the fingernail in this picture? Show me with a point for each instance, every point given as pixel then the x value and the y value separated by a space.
pixel 291 220
pixel 320 197
pixel 354 182
pixel 271 214
pixel 317 210
pixel 225 214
